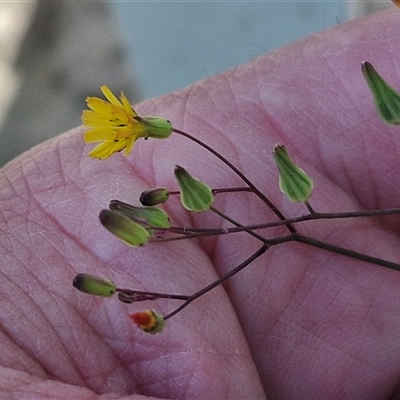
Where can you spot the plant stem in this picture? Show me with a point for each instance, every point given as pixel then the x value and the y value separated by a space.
pixel 232 221
pixel 137 295
pixel 255 190
pixel 309 217
pixel 216 283
pixel 346 252
pixel 221 190
pixel 231 190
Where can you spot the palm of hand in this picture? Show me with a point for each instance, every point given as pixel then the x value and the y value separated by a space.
pixel 298 323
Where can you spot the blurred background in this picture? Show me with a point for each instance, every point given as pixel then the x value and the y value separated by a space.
pixel 55 54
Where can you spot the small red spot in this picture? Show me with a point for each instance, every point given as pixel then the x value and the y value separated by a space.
pixel 141 318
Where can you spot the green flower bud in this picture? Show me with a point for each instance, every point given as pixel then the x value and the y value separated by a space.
pixel 154 196
pixel 124 228
pixel 195 195
pixel 156 127
pixel 293 181
pixel 95 285
pixel 146 216
pixel 386 99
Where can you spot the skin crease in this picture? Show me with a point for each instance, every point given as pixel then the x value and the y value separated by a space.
pixel 298 323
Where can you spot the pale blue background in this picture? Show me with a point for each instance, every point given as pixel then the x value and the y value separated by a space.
pixel 174 44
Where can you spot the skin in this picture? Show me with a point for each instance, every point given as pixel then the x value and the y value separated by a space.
pixel 298 323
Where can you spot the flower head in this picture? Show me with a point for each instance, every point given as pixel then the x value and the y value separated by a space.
pixel 116 124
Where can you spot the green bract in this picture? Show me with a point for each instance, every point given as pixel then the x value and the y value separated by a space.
pixel 293 181
pixel 386 99
pixel 124 228
pixel 156 127
pixel 195 195
pixel 94 285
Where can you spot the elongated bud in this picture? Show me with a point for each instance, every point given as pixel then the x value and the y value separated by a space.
pixel 386 98
pixel 149 321
pixel 155 196
pixel 156 127
pixel 124 228
pixel 94 285
pixel 293 181
pixel 396 2
pixel 146 216
pixel 195 195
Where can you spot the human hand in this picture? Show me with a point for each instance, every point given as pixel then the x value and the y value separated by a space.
pixel 297 323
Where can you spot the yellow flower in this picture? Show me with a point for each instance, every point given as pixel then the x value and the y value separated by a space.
pixel 116 124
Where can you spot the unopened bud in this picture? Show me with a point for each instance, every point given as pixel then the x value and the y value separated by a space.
pixel 124 228
pixel 195 195
pixel 386 98
pixel 293 181
pixel 149 321
pixel 155 196
pixel 146 216
pixel 94 285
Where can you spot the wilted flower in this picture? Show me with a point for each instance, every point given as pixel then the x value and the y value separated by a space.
pixel 149 321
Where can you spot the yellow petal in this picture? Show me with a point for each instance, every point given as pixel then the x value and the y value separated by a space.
pixel 120 115
pixel 114 119
pixel 107 148
pixel 135 132
pixel 109 95
pixel 129 144
pixel 99 105
pixel 91 118
pixel 98 135
pixel 127 106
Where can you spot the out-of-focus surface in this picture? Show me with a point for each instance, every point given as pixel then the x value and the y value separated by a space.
pixel 173 44
pixel 72 48
pixel 15 19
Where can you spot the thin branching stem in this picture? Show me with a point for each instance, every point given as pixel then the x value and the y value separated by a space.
pixel 233 222
pixel 196 232
pixel 218 282
pixel 139 295
pixel 346 252
pixel 255 190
